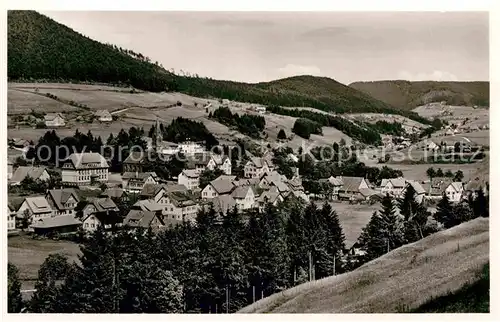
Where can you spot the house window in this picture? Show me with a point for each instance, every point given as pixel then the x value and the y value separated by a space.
pixel 92 225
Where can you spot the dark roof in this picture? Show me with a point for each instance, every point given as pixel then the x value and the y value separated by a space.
pixel 139 218
pixel 60 196
pixel 222 186
pixel 151 190
pixel 180 199
pixel 351 184
pixel 103 204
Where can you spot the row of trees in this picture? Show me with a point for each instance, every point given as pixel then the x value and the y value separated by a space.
pixel 218 265
pixel 305 127
pixel 457 176
pixel 406 220
pixel 250 125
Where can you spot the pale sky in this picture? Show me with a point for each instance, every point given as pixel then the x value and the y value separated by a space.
pixel 255 47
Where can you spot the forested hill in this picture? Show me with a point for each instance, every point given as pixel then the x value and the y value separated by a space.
pixel 408 95
pixel 41 49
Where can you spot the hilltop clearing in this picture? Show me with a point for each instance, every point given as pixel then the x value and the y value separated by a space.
pixel 404 278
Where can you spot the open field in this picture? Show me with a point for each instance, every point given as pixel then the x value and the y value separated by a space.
pixel 28 254
pixel 21 102
pixel 353 218
pixel 374 117
pixel 455 114
pixel 403 279
pixel 479 137
pixel 142 110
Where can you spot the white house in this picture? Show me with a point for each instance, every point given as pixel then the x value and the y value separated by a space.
pixel 81 168
pixel 62 201
pixel 454 191
pixel 255 168
pixel 10 169
pixel 54 120
pixel 244 197
pixel 190 148
pixel 37 207
pixel 393 187
pixel 104 116
pixel 179 206
pixel 35 173
pixel 260 109
pixel 217 188
pixel 11 217
pixel 336 185
pixel 189 178
pixel 222 163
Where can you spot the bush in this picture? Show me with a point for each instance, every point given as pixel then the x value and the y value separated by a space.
pixel 41 125
pixel 304 128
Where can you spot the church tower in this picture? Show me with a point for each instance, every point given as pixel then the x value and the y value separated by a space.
pixel 158 136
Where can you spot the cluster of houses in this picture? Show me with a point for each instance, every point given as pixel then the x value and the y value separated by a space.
pixel 163 203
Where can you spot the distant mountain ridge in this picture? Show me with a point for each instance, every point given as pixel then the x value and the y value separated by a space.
pixel 408 95
pixel 39 48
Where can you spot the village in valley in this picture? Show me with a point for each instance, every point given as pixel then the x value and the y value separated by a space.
pixel 136 189
pixel 83 191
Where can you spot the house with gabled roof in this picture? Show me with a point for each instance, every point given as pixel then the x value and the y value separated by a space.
pixel 62 201
pixel 351 186
pixel 153 192
pixel 180 206
pixel 221 162
pixel 256 167
pixel 189 178
pixel 217 188
pixel 63 224
pixel 54 120
pixel 135 161
pixel 223 204
pixel 82 168
pixel 435 188
pixel 135 181
pixel 393 187
pixel 419 190
pixel 244 197
pixel 100 212
pixel 35 173
pixel 103 116
pixel 144 219
pixel 38 207
pixel 271 196
pixel 454 191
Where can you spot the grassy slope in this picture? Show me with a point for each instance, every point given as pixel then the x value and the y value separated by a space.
pixel 407 95
pixel 40 48
pixel 403 279
pixel 473 297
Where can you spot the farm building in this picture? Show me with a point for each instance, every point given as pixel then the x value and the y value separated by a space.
pixel 56 225
pixel 54 120
pixel 104 116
